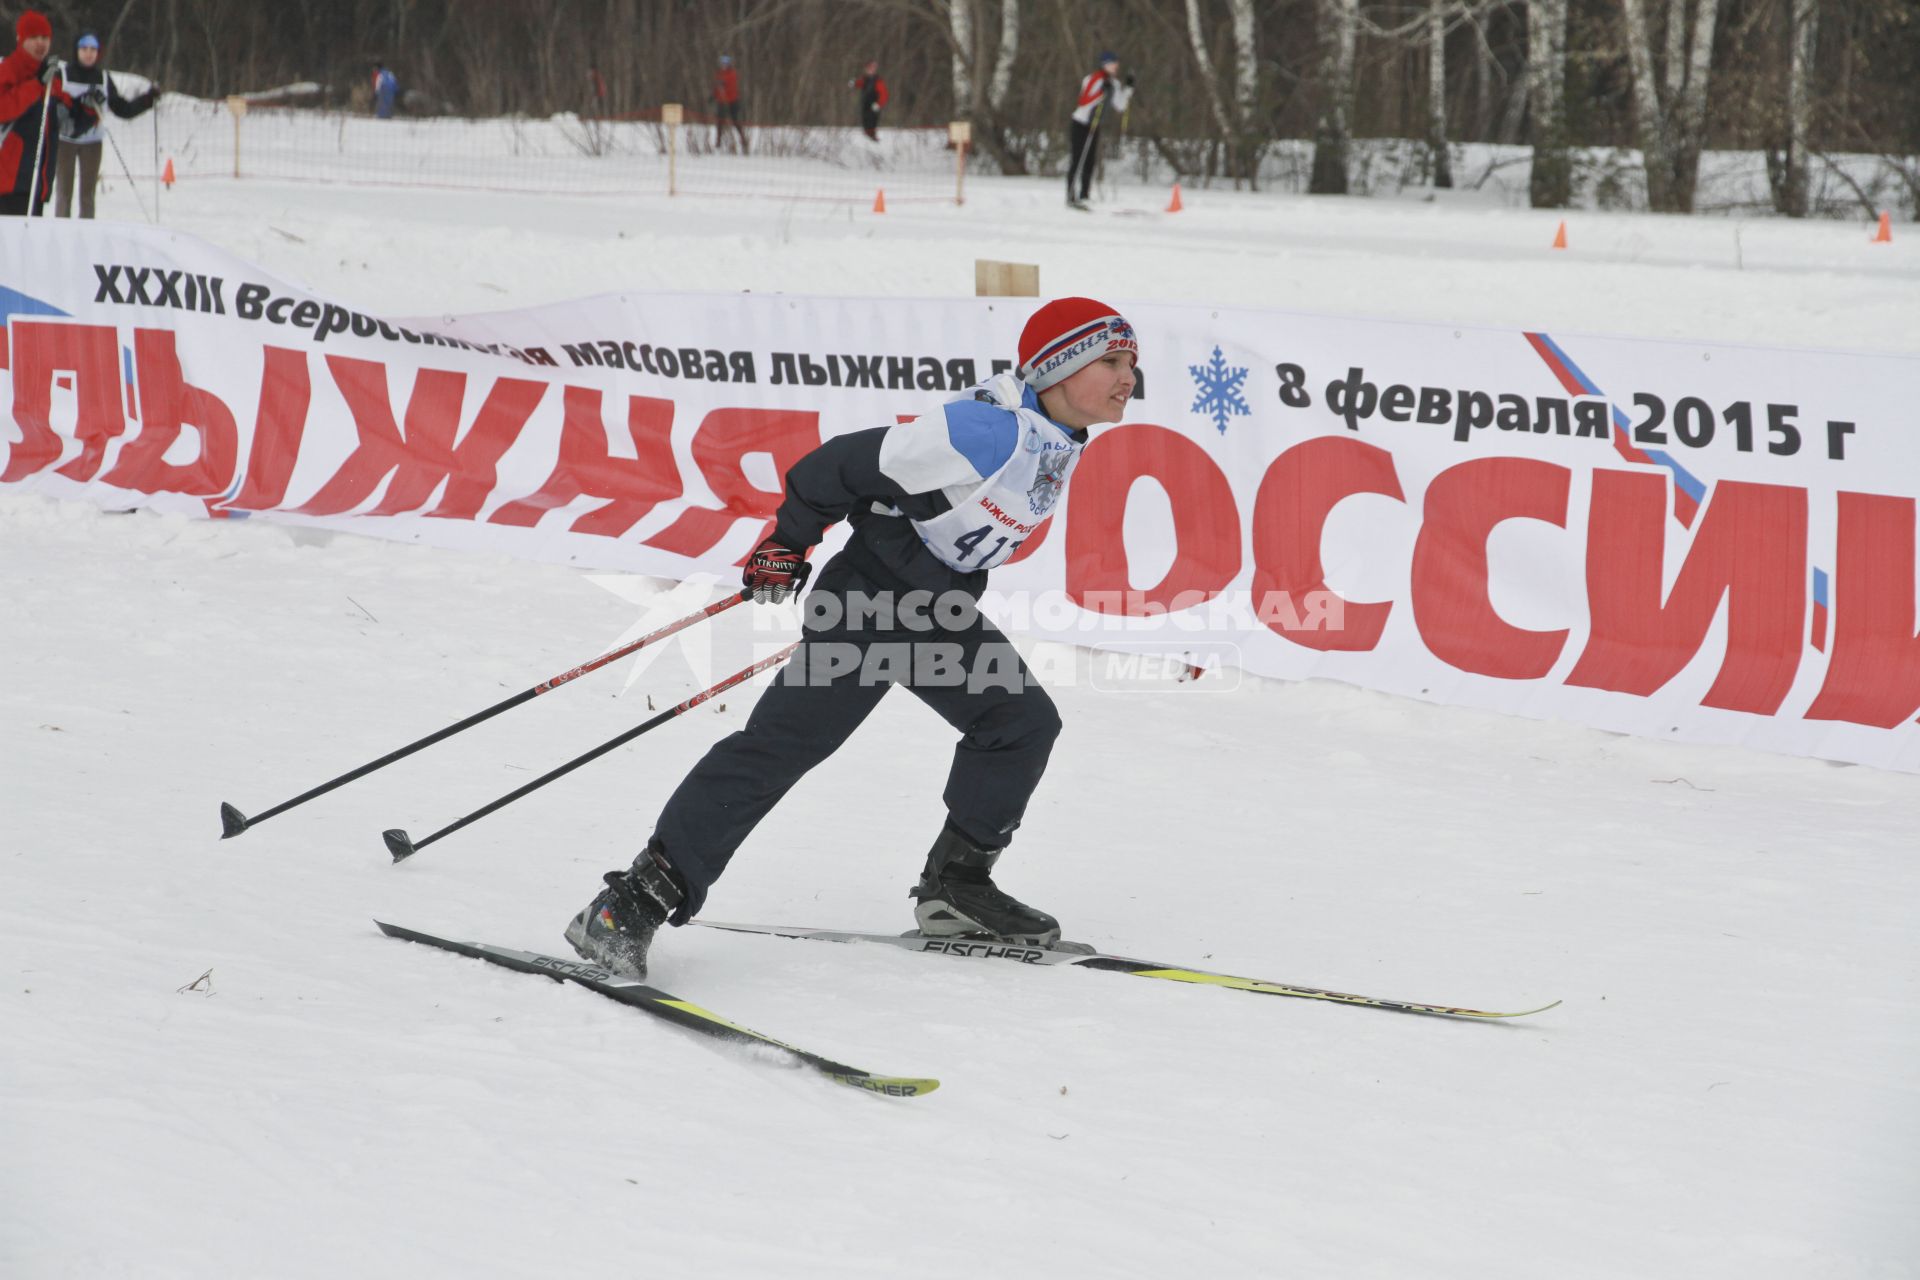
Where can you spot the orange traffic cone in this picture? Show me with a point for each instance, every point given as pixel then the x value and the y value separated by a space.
pixel 1560 237
pixel 1174 205
pixel 167 175
pixel 1885 234
pixel 880 200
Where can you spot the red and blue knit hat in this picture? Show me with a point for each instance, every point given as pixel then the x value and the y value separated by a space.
pixel 1067 334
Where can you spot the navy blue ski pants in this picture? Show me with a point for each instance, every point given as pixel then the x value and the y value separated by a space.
pixel 842 669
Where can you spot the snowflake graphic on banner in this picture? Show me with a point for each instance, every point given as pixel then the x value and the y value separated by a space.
pixel 1220 390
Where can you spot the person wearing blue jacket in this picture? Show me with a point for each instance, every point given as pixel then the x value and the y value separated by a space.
pixel 386 91
pixel 934 503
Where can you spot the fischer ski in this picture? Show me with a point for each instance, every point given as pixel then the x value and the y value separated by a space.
pixel 670 1007
pixel 1086 958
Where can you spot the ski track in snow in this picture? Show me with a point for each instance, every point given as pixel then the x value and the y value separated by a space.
pixel 1728 1090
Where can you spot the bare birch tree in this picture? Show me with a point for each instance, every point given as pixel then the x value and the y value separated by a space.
pixel 1003 61
pixel 1787 169
pixel 1238 127
pixel 1437 151
pixel 1339 31
pixel 1670 94
pixel 1551 184
pixel 965 53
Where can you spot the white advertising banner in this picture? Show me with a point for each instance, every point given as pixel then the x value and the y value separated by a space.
pixel 1680 540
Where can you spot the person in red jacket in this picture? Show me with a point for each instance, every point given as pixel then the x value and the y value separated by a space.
pixel 726 103
pixel 873 96
pixel 30 88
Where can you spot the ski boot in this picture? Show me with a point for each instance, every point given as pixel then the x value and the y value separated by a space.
pixel 958 899
pixel 616 928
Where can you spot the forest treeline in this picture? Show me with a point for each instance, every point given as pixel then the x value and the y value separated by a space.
pixel 1219 80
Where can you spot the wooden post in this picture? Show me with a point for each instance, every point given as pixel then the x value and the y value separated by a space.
pixel 960 134
pixel 670 115
pixel 237 105
pixel 1005 279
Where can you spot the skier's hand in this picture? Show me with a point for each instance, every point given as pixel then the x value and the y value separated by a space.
pixel 1130 79
pixel 775 571
pixel 50 69
pixel 93 96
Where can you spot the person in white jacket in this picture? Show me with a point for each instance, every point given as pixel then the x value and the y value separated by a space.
pixel 1102 93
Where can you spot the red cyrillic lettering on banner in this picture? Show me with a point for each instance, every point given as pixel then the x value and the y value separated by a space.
pixel 91 353
pixel 1750 548
pixel 173 403
pixel 725 438
pixel 586 468
pixel 510 403
pixel 1873 676
pixel 286 390
pixel 1451 604
pixel 1206 522
pixel 423 454
pixel 1290 510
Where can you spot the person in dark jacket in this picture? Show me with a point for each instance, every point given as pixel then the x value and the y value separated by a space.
pixel 84 134
pixel 726 103
pixel 935 502
pixel 30 89
pixel 873 96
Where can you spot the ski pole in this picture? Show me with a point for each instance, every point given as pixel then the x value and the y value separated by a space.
pixel 402 846
pixel 133 185
pixel 40 151
pixel 233 822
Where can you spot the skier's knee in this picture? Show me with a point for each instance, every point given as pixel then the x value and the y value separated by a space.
pixel 1029 722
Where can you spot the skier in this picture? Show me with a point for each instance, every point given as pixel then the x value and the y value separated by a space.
pixel 873 96
pixel 934 502
pixel 1100 93
pixel 80 138
pixel 726 103
pixel 31 87
pixel 386 91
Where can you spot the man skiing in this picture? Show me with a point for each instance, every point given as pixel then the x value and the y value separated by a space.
pixel 386 91
pixel 726 103
pixel 935 502
pixel 1101 93
pixel 873 96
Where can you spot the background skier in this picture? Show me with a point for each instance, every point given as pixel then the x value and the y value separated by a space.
pixel 84 135
pixel 386 91
pixel 873 96
pixel 30 89
pixel 726 103
pixel 1102 93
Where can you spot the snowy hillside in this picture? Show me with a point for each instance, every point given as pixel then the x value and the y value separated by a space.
pixel 214 1065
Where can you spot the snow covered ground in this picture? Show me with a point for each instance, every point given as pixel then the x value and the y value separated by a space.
pixel 1728 1091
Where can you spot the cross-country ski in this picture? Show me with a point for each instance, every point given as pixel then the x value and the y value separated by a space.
pixel 1087 958
pixel 669 1007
